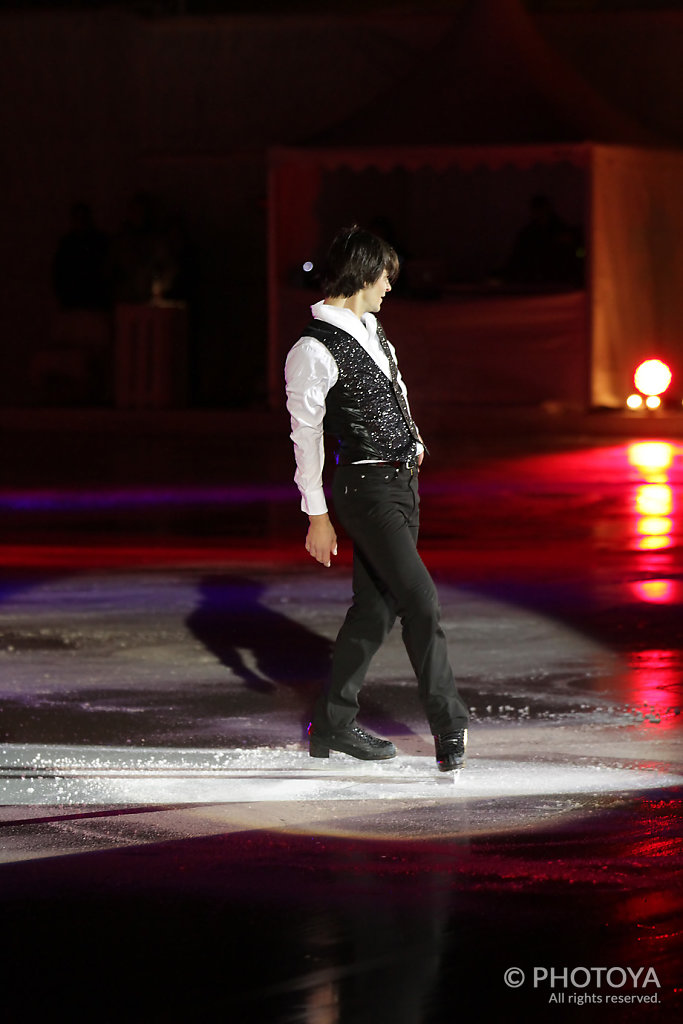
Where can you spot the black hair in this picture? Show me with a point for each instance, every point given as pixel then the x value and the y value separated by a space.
pixel 355 259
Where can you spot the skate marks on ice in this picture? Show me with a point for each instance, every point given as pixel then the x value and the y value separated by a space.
pixel 41 775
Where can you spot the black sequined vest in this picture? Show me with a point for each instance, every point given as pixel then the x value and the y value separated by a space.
pixel 362 410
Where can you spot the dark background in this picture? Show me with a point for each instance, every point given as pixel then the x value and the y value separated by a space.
pixel 182 101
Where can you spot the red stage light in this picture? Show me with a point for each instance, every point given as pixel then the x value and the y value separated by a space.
pixel 652 377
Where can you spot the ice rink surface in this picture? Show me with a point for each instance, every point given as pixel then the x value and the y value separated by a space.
pixel 170 852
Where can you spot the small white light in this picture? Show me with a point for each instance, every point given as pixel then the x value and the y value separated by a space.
pixel 308 266
pixel 653 401
pixel 634 401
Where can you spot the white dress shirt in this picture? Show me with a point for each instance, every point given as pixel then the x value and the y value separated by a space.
pixel 310 372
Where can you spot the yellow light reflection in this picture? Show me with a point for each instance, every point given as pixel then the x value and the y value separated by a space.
pixel 651 456
pixel 655 591
pixel 654 504
pixel 654 500
pixel 653 543
pixel 654 526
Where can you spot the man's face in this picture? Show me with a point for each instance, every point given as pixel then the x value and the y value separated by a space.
pixel 373 294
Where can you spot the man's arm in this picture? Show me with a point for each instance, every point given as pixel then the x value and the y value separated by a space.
pixel 310 371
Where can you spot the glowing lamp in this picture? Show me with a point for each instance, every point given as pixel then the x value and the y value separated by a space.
pixel 634 401
pixel 652 377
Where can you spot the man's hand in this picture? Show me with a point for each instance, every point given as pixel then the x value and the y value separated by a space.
pixel 321 540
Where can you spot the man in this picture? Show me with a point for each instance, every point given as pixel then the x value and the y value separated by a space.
pixel 342 379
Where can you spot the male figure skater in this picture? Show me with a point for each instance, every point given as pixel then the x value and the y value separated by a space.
pixel 342 379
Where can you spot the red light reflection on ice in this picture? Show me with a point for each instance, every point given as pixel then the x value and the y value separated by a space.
pixel 656 682
pixel 653 911
pixel 655 591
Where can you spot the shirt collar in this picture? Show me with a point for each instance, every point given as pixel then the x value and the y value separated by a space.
pixel 361 329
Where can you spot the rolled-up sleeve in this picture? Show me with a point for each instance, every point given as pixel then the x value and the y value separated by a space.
pixel 310 372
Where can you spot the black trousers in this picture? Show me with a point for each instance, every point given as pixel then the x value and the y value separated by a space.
pixel 378 506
